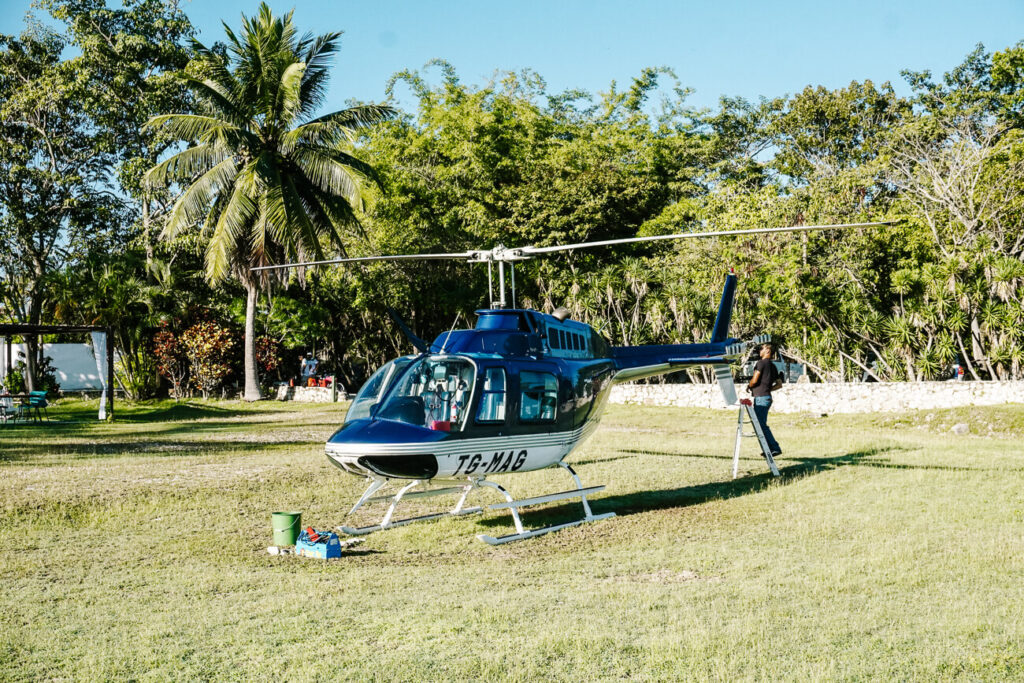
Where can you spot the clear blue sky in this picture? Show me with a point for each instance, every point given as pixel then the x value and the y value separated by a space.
pixel 722 47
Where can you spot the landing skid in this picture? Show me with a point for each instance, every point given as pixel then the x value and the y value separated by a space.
pixel 514 505
pixel 459 510
pixel 387 522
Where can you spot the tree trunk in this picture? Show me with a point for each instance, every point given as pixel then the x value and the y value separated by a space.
pixel 252 378
pixel 32 345
pixel 148 239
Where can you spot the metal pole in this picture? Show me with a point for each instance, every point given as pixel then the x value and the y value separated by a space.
pixel 512 266
pixel 110 373
pixel 490 285
pixel 501 283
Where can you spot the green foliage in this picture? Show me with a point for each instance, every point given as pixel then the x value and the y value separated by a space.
pixel 264 177
pixel 267 180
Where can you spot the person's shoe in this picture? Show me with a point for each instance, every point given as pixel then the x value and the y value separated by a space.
pixel 777 452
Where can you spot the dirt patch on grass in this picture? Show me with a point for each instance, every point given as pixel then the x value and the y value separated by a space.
pixel 663 576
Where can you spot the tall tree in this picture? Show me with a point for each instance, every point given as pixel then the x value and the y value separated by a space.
pixel 53 202
pixel 268 181
pixel 129 62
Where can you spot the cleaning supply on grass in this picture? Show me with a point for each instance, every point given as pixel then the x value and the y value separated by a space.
pixel 320 544
pixel 286 527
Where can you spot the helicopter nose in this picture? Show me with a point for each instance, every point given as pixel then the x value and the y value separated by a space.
pixel 385 448
pixel 373 433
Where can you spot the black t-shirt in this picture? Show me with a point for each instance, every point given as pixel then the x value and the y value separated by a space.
pixel 769 375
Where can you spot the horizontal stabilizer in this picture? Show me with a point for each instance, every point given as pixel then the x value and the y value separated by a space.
pixel 698 360
pixel 724 375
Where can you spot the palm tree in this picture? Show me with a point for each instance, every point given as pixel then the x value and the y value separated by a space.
pixel 268 181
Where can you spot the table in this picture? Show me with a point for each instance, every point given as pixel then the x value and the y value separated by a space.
pixel 20 397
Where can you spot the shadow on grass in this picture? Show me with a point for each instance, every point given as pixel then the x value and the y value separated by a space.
pixel 62 452
pixel 182 411
pixel 685 496
pixel 811 461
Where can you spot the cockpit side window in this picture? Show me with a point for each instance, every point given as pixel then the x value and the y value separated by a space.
pixel 432 393
pixel 374 388
pixel 538 396
pixel 493 396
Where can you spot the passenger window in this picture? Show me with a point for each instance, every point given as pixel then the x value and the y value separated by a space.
pixel 538 396
pixel 553 337
pixel 492 400
pixel 575 342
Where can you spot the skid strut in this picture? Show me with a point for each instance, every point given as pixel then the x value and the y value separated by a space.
pixel 510 504
pixel 404 493
pixel 514 505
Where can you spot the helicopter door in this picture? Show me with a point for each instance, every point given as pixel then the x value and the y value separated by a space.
pixel 536 406
pixel 492 408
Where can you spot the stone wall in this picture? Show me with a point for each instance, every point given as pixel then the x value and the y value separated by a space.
pixel 306 394
pixel 873 397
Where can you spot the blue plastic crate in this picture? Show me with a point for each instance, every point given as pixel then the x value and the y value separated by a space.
pixel 321 549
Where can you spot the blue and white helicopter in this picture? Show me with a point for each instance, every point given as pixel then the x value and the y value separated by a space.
pixel 517 393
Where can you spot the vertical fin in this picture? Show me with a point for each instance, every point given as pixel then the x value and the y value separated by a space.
pixel 721 331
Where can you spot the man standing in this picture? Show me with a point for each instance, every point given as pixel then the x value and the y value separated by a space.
pixel 766 379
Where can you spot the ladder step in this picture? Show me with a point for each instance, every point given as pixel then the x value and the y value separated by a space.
pixel 575 493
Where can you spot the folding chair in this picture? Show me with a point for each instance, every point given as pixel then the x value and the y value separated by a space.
pixel 37 400
pixel 7 411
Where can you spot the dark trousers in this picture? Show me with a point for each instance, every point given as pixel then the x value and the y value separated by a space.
pixel 762 404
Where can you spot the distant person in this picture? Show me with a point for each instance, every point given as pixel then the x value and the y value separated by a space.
pixel 308 367
pixel 766 379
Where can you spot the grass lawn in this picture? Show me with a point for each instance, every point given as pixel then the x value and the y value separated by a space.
pixel 890 548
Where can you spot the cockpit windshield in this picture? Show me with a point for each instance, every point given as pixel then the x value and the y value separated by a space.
pixel 374 388
pixel 434 392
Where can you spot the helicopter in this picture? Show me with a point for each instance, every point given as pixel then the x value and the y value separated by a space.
pixel 518 392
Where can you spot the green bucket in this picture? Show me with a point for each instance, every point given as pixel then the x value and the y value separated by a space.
pixel 286 527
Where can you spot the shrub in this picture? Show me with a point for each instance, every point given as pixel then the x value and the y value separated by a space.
pixel 207 346
pixel 171 361
pixel 268 354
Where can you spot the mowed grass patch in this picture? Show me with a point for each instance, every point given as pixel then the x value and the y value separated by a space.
pixel 889 548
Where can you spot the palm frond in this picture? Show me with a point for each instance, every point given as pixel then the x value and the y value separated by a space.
pixel 219 98
pixel 184 165
pixel 290 93
pixel 307 243
pixel 359 117
pixel 189 127
pixel 333 174
pixel 237 215
pixel 193 204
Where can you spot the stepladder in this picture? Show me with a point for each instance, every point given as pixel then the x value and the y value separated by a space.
pixel 747 414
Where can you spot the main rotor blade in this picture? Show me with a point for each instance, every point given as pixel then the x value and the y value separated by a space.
pixel 692 235
pixel 396 257
pixel 420 345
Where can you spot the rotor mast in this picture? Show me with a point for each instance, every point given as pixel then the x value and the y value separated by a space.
pixel 500 255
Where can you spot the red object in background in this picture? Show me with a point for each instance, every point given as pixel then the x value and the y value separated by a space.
pixel 311 382
pixel 441 425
